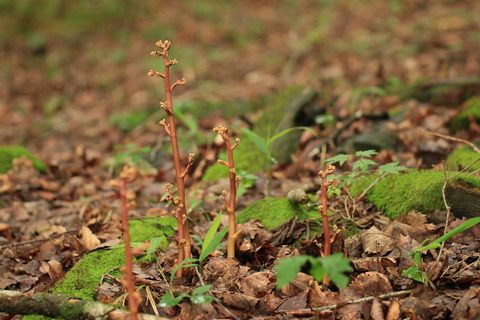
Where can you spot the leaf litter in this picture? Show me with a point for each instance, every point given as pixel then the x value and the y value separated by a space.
pixel 49 221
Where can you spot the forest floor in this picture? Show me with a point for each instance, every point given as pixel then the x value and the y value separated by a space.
pixel 75 93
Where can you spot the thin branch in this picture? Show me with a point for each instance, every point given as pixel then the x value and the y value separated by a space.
pixel 474 147
pixel 360 300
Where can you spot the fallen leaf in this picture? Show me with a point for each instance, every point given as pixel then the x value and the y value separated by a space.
pixel 376 241
pixel 89 240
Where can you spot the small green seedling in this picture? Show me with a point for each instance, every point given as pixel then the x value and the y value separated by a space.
pixel 416 272
pixel 210 243
pixel 198 296
pixel 334 266
pixel 362 166
pixel 155 243
pixel 265 144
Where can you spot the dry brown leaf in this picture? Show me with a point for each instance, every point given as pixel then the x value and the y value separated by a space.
pixel 393 310
pixel 375 241
pixel 258 284
pixel 89 240
pixel 377 310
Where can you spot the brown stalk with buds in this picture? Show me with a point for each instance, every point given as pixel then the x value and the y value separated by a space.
pixel 234 180
pixel 128 175
pixel 184 240
pixel 322 208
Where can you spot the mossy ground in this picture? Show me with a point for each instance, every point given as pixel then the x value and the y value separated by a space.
pixel 462 120
pixel 248 156
pixel 462 157
pixel 414 191
pixel 8 153
pixel 272 212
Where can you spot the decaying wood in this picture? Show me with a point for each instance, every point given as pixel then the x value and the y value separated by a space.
pixel 58 306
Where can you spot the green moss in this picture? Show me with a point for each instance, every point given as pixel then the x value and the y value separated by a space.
pixel 146 229
pixel 273 212
pixel 8 153
pixel 413 191
pixel 83 279
pixel 463 157
pixel 462 120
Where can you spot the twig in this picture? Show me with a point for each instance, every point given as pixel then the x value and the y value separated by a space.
pixel 365 299
pixel 474 147
pixel 213 297
pixel 24 243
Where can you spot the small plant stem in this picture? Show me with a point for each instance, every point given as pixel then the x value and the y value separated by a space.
pixel 184 240
pixel 132 295
pixel 323 211
pixel 230 207
pixel 183 229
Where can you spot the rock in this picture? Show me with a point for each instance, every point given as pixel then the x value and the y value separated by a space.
pixel 380 137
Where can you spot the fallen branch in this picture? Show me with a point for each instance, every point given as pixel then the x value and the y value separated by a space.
pixel 58 306
pixel 335 306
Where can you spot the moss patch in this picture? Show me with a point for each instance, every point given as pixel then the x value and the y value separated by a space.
pixel 463 157
pixel 272 212
pixel 8 153
pixel 414 191
pixel 146 229
pixel 462 120
pixel 83 279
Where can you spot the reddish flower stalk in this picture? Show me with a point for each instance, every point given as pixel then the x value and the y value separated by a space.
pixel 184 240
pixel 128 175
pixel 323 208
pixel 234 180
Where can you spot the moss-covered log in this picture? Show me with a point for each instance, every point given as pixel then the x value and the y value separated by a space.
pixel 57 306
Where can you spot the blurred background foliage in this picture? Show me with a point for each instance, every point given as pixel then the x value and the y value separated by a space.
pixel 72 65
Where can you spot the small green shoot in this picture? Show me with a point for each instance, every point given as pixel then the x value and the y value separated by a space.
pixel 416 272
pixel 334 266
pixel 155 243
pixel 210 243
pixel 361 166
pixel 265 144
pixel 198 296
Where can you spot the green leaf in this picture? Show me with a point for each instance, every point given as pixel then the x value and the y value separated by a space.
pixel 168 300
pixel 187 263
pixel 391 167
pixel 260 142
pixel 212 230
pixel 366 153
pixel 462 227
pixel 335 265
pixel 213 244
pixel 288 268
pixel 284 132
pixel 340 158
pixel 155 243
pixel 415 273
pixel 202 289
pixel 199 299
pixel 363 164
